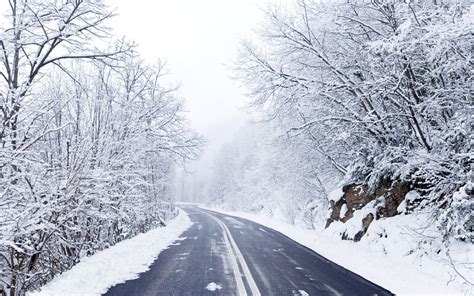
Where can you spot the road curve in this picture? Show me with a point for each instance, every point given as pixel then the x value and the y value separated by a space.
pixel 226 255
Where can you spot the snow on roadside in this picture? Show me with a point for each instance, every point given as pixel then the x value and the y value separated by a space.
pixel 387 262
pixel 94 275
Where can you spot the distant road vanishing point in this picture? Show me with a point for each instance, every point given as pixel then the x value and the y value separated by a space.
pixel 226 255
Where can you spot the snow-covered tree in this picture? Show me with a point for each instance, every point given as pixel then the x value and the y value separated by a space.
pixel 89 140
pixel 262 172
pixel 382 90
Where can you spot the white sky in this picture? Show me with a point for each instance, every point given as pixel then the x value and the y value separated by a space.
pixel 197 38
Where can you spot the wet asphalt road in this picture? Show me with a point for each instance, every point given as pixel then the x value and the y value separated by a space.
pixel 226 255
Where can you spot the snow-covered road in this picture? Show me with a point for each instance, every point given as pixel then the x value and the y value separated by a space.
pixel 225 255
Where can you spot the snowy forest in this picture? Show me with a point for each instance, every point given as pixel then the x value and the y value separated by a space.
pixel 362 112
pixel 89 140
pixel 363 108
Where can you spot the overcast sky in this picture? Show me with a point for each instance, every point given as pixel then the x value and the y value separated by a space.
pixel 197 39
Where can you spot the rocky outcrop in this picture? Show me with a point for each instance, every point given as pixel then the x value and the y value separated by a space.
pixel 387 196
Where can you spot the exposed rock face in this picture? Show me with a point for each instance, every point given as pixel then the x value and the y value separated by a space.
pixel 356 196
pixel 335 211
pixel 394 195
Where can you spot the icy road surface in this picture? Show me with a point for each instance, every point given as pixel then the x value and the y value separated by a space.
pixel 225 255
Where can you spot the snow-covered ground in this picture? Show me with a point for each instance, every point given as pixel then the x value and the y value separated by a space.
pixel 94 275
pixel 388 255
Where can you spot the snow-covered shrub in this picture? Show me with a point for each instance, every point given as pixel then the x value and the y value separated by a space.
pixel 458 219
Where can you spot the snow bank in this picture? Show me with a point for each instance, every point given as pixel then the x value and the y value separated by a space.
pixel 94 275
pixel 389 254
pixel 336 194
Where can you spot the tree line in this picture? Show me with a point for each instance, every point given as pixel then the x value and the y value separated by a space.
pixel 89 139
pixel 367 91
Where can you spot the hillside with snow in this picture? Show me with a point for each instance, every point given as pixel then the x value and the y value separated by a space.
pixel 363 132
